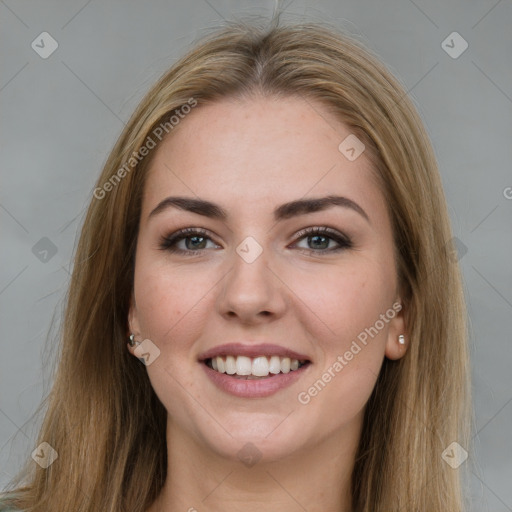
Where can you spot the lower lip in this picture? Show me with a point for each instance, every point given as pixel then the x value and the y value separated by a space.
pixel 254 388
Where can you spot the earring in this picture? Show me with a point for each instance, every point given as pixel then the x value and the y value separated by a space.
pixel 401 339
pixel 132 341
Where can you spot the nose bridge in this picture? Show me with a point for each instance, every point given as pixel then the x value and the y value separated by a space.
pixel 250 288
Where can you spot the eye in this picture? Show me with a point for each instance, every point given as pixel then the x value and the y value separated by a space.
pixel 320 240
pixel 190 241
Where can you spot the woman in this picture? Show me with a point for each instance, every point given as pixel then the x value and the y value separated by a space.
pixel 264 311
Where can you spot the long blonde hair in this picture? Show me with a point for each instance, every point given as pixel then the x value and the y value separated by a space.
pixel 103 417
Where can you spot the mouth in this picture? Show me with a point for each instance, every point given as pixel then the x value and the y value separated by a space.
pixel 252 368
pixel 253 371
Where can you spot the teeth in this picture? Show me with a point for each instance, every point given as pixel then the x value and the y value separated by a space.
pixel 243 365
pixel 260 366
pixel 230 365
pixel 275 364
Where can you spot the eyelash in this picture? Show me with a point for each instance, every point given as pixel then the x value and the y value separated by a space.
pixel 168 243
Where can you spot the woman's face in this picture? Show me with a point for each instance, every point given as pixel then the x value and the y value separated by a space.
pixel 272 275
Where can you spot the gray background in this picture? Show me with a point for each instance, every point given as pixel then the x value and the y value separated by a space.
pixel 61 116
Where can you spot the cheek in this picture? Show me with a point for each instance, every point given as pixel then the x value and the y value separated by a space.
pixel 349 303
pixel 346 300
pixel 171 302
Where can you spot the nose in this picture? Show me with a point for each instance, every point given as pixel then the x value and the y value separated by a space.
pixel 252 292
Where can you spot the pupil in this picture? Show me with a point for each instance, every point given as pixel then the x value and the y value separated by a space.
pixel 325 240
pixel 194 239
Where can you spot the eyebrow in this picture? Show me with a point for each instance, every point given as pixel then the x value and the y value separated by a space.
pixel 283 212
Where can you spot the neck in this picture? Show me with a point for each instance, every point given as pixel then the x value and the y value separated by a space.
pixel 317 478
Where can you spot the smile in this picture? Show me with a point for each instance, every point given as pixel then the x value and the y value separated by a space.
pixel 253 370
pixel 244 367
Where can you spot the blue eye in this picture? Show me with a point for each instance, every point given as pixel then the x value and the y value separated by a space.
pixel 319 240
pixel 194 240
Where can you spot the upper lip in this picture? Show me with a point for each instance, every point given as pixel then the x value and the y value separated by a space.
pixel 252 350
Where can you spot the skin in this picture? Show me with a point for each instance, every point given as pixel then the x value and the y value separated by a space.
pixel 250 156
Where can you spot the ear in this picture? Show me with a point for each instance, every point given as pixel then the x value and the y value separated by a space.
pixel 133 323
pixel 395 350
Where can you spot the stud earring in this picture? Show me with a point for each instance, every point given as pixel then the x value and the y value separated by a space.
pixel 132 341
pixel 401 339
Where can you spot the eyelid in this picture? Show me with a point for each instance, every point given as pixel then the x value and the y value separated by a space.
pixel 167 241
pixel 313 230
pixel 344 242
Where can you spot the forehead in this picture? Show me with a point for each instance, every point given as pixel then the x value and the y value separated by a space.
pixel 259 151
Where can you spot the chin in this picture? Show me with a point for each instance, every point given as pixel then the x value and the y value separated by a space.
pixel 259 441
